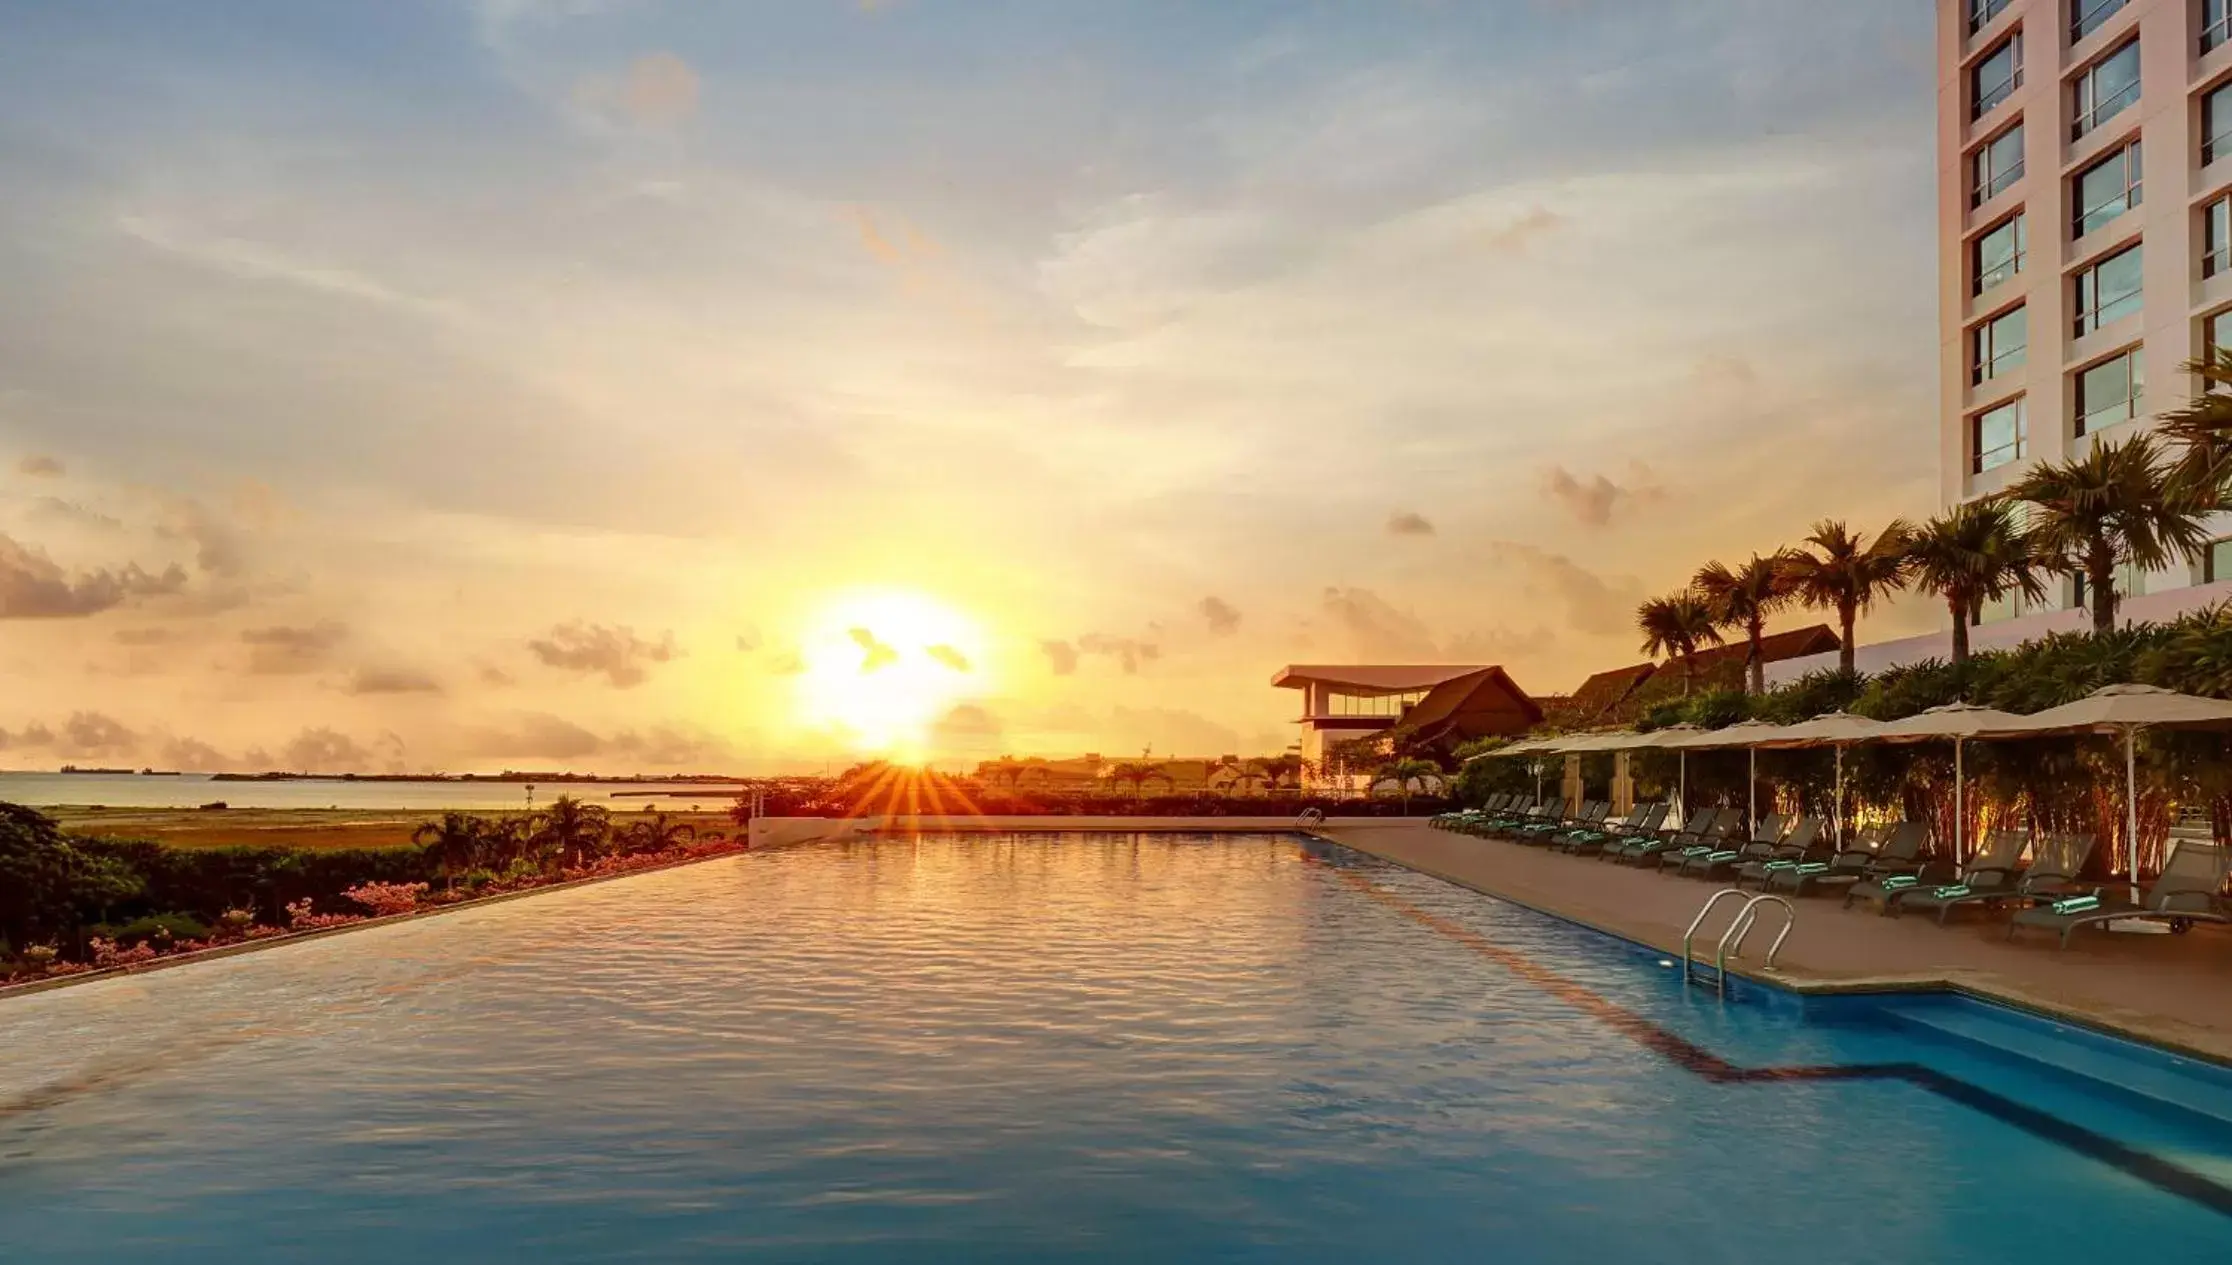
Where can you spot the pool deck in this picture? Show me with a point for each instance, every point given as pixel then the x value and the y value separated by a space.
pixel 2171 990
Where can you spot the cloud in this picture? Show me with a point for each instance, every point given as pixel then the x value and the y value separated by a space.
pixel 392 681
pixel 1171 731
pixel 53 509
pixel 1595 605
pixel 85 734
pixel 1223 616
pixel 39 466
pixel 661 90
pixel 32 586
pixel 144 636
pixel 1128 651
pixel 788 663
pixel 323 750
pixel 616 652
pixel 877 656
pixel 191 755
pixel 1061 656
pixel 495 677
pixel 949 656
pixel 967 729
pixel 217 545
pixel 1408 523
pixel 284 650
pixel 1515 237
pixel 748 641
pixel 1376 629
pixel 672 747
pixel 535 736
pixel 1592 500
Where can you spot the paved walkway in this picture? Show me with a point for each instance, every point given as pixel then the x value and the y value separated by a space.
pixel 2174 990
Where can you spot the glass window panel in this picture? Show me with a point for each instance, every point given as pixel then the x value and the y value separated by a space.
pixel 2108 291
pixel 2216 23
pixel 1981 13
pixel 1999 254
pixel 2108 393
pixel 2000 345
pixel 1998 437
pixel 1998 165
pixel 2217 330
pixel 2090 15
pixel 2216 563
pixel 1996 78
pixel 2107 88
pixel 2107 189
pixel 2216 123
pixel 2216 237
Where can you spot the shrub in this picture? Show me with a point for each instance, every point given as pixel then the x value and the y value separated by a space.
pixel 161 929
pixel 383 899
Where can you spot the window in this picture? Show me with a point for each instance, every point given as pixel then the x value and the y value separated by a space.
pixel 1997 346
pixel 1997 76
pixel 2216 237
pixel 2108 393
pixel 2107 189
pixel 2216 123
pixel 1981 13
pixel 2130 581
pixel 1997 165
pixel 2088 16
pixel 1998 254
pixel 2106 87
pixel 1389 705
pixel 2216 332
pixel 2216 561
pixel 1998 436
pixel 2216 22
pixel 2108 291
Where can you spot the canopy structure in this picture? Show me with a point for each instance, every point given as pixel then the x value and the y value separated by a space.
pixel 1959 722
pixel 2124 709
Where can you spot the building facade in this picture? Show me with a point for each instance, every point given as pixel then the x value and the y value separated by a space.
pixel 1439 705
pixel 2085 232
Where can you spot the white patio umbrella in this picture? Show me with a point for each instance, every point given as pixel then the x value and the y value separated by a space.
pixel 2124 709
pixel 1749 733
pixel 1670 738
pixel 1830 729
pixel 1960 722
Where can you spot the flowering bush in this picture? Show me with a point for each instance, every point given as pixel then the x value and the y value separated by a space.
pixel 300 917
pixel 106 953
pixel 383 899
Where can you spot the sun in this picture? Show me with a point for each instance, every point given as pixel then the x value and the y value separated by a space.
pixel 882 666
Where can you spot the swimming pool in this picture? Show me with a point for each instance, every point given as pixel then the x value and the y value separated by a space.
pixel 1078 1047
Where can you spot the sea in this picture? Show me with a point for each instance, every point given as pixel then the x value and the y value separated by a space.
pixel 192 790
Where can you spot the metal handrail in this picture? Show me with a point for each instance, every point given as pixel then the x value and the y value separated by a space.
pixel 1691 933
pixel 1740 928
pixel 1310 817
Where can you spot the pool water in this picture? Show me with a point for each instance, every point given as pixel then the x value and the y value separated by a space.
pixel 1064 1047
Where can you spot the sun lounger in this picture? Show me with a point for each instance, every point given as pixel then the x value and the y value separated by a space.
pixel 1592 814
pixel 1706 830
pixel 1801 834
pixel 1899 852
pixel 2189 890
pixel 1640 826
pixel 1802 844
pixel 1764 836
pixel 2056 861
pixel 1992 869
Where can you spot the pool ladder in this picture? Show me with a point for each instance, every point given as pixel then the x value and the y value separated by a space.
pixel 1732 939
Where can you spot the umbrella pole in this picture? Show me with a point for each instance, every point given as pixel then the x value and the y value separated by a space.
pixel 1753 788
pixel 1838 806
pixel 2131 809
pixel 1681 790
pixel 1960 813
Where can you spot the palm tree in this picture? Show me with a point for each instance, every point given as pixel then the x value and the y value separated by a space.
pixel 1284 770
pixel 656 833
pixel 1405 771
pixel 1973 554
pixel 457 843
pixel 1846 572
pixel 1744 598
pixel 573 831
pixel 2118 505
pixel 1676 626
pixel 1138 773
pixel 2203 428
pixel 1254 773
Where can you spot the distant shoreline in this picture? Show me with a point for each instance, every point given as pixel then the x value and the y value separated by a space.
pixel 622 779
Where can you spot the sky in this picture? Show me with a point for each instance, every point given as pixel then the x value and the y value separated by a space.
pixel 480 384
